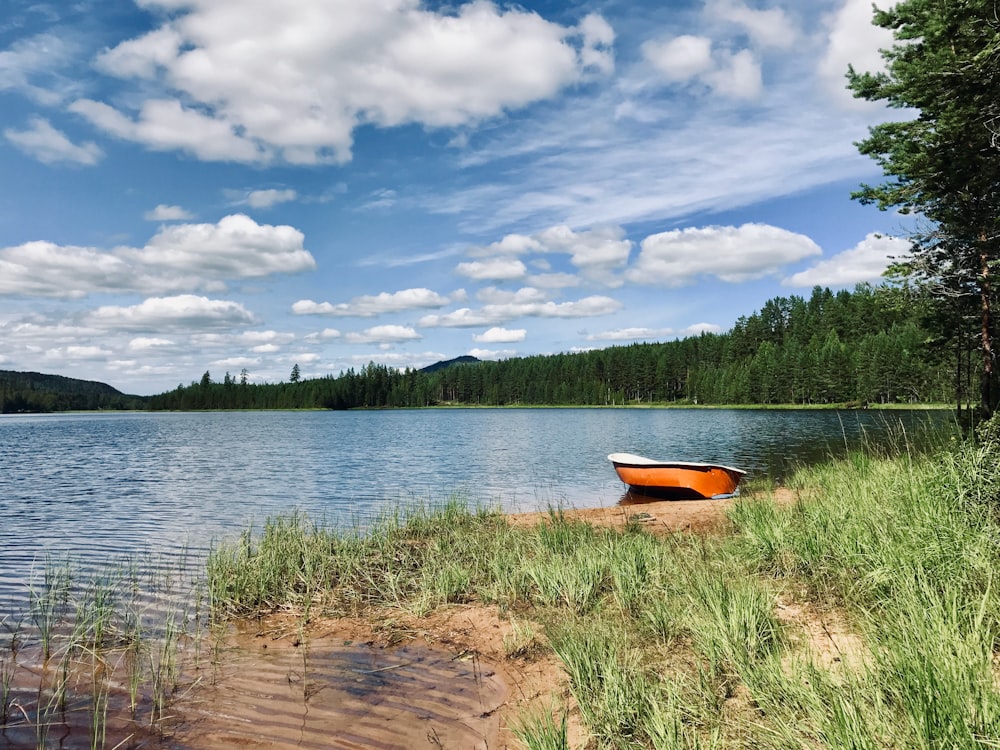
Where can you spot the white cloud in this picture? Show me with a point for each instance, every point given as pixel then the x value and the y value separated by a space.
pixel 852 39
pixel 680 58
pixel 769 27
pixel 32 66
pixel 526 295
pixel 43 269
pixel 688 58
pixel 737 75
pixel 235 247
pixel 368 306
pixel 598 38
pixel 166 125
pixel 50 146
pixel 647 334
pixel 597 252
pixel 731 254
pixel 179 312
pixel 498 269
pixel 864 262
pixel 492 353
pixel 343 64
pixel 632 334
pixel 271 197
pixel 148 343
pixel 164 212
pixel 176 258
pixel 495 314
pixel 497 335
pixel 388 334
pixel 554 280
pixel 79 353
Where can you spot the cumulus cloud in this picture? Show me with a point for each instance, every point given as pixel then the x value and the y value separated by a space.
pixel 688 58
pixel 235 247
pixel 176 258
pixel 497 335
pixel 492 353
pixel 166 125
pixel 864 262
pixel 164 212
pixel 495 314
pixel 342 64
pixel 733 254
pixel 163 313
pixel 769 27
pixel 852 39
pixel 680 58
pixel 369 306
pixel 50 146
pixel 498 269
pixel 388 334
pixel 526 295
pixel 738 75
pixel 44 269
pixel 597 253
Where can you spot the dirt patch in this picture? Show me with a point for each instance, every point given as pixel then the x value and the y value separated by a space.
pixel 826 636
pixel 461 676
pixel 700 516
pixel 457 678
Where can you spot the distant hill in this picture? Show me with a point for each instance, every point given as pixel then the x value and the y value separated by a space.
pixel 446 363
pixel 39 392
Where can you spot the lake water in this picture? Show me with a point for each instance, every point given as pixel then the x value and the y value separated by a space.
pixel 96 487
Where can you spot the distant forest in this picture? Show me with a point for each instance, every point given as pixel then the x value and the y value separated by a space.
pixel 36 392
pixel 869 346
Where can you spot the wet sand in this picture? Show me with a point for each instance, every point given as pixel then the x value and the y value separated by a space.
pixel 456 678
pixel 448 680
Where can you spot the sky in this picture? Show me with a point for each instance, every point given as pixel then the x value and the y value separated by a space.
pixel 247 185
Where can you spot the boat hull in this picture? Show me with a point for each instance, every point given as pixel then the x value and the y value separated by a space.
pixel 676 478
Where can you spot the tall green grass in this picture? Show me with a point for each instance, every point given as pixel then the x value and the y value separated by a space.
pixel 675 641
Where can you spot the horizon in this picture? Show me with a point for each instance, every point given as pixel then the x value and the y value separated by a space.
pixel 216 186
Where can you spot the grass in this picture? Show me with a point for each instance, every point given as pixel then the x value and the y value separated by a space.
pixel 672 641
pixel 675 641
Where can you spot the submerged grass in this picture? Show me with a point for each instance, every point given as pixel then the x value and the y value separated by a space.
pixel 93 657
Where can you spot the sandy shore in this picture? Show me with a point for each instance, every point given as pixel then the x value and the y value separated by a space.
pixel 456 678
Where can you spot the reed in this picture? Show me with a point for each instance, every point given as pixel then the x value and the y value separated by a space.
pixel 78 655
pixel 541 731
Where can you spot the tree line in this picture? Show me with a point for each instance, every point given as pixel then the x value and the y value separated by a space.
pixel 869 345
pixel 39 392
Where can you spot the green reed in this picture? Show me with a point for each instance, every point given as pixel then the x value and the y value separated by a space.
pixel 91 646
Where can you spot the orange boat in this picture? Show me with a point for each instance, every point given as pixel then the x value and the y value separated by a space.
pixel 679 479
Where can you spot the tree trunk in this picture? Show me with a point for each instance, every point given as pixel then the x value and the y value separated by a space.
pixel 986 331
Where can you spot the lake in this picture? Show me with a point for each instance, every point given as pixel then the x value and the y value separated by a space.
pixel 95 487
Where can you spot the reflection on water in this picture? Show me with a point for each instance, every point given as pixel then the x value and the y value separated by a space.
pixel 109 487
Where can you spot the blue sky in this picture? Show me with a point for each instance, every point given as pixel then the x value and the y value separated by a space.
pixel 221 185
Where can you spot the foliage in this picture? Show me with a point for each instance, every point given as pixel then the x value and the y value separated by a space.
pixel 943 161
pixel 37 392
pixel 865 346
